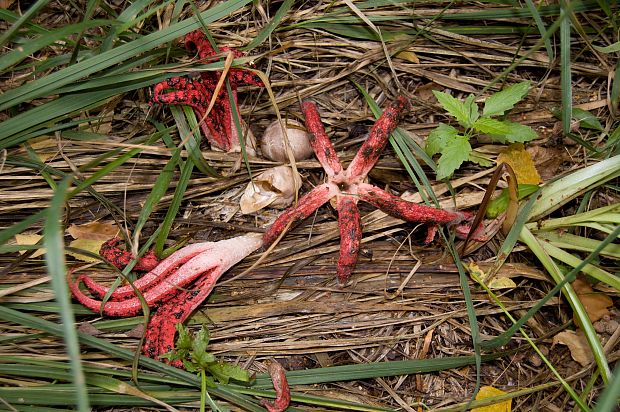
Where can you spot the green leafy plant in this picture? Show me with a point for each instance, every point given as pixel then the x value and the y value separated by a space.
pixel 192 351
pixel 453 144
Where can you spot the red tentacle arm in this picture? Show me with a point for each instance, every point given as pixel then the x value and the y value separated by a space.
pixel 402 209
pixel 161 331
pixel 350 236
pixel 323 148
pixel 121 258
pixel 280 384
pixel 371 149
pixel 166 266
pixel 306 205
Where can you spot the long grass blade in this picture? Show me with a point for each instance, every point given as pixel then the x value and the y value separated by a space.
pixel 56 267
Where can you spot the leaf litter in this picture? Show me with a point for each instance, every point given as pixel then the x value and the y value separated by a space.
pixel 289 307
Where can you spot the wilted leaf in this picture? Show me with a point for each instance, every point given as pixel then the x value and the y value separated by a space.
pixel 577 345
pixel 29 239
pixel 90 245
pixel 596 304
pixel 486 392
pixel 93 230
pixel 480 276
pixel 521 162
pixel 274 187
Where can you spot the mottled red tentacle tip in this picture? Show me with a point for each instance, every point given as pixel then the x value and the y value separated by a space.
pixel 119 258
pixel 280 384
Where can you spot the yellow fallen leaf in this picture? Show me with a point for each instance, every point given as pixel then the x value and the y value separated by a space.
pixel 577 345
pixel 502 283
pixel 521 162
pixel 93 230
pixel 499 282
pixel 408 56
pixel 90 245
pixel 491 392
pixel 29 239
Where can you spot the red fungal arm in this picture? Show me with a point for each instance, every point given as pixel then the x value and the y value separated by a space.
pixel 350 237
pixel 369 153
pixel 319 140
pixel 280 384
pixel 166 266
pixel 402 209
pixel 161 330
pixel 121 258
pixel 306 205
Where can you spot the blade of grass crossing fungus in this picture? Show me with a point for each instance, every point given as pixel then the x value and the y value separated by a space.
pixel 48 84
pixel 56 267
pixel 402 149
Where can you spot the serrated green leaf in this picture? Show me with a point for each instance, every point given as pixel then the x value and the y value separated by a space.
pixel 472 109
pixel 456 108
pixel 500 102
pixel 491 126
pixel 439 138
pixel 519 133
pixel 223 372
pixel 587 120
pixel 452 156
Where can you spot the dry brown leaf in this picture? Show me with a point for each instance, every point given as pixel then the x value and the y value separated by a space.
pixel 577 345
pixel 5 4
pixel 596 304
pixel 94 231
pixel 29 239
pixel 521 162
pixel 547 160
pixel 491 392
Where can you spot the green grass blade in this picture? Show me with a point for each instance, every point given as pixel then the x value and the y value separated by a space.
pixel 56 267
pixel 554 271
pixel 29 14
pixel 565 68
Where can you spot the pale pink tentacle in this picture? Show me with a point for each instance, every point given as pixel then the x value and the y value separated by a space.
pixel 149 279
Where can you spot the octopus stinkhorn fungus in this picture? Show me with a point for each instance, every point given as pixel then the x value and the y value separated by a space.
pixel 176 287
pixel 197 91
pixel 348 186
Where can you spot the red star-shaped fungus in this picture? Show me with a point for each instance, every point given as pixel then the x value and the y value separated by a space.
pixel 348 186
